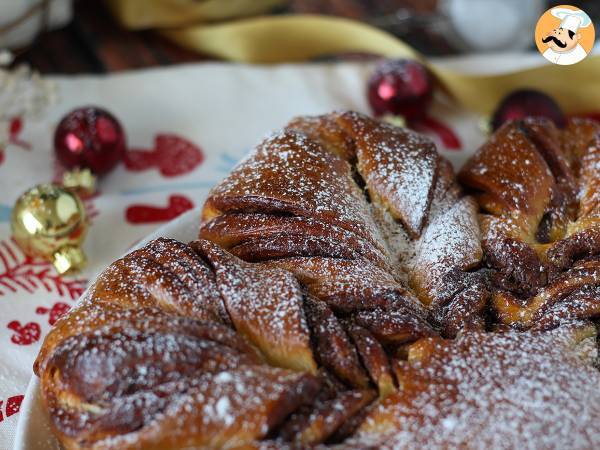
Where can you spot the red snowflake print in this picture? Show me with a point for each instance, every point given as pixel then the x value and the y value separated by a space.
pixel 141 214
pixel 21 272
pixel 172 155
pixel 13 405
pixel 57 310
pixel 14 130
pixel 24 334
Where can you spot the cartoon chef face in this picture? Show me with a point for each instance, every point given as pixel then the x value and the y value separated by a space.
pixel 561 39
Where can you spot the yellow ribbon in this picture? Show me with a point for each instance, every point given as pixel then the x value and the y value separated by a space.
pixel 292 38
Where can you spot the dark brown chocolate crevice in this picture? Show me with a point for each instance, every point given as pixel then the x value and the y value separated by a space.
pixel 584 244
pixel 333 348
pixel 519 268
pixel 546 139
pixel 360 182
pixel 538 189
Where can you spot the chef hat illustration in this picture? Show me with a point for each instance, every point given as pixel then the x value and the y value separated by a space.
pixel 571 20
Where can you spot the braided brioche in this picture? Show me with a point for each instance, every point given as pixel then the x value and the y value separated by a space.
pixel 538 187
pixel 357 210
pixel 314 310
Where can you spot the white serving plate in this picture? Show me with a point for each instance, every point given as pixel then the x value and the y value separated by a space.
pixel 33 429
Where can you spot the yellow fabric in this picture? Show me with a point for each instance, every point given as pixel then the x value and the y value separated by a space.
pixel 293 38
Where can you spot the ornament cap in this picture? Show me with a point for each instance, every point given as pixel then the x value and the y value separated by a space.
pixel 397 121
pixel 68 258
pixel 82 181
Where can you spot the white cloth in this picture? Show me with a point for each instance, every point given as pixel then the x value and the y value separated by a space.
pixel 566 58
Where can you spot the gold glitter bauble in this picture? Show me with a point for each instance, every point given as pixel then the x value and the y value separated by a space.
pixel 50 222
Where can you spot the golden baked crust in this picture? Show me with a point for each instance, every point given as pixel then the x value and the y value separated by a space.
pixel 358 210
pixel 142 362
pixel 490 390
pixel 539 187
pixel 315 309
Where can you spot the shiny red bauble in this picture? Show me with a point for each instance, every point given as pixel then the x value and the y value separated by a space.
pixel 400 87
pixel 527 103
pixel 89 137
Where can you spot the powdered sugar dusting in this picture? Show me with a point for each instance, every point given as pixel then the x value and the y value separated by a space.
pixel 450 241
pixel 400 169
pixel 486 391
pixel 220 411
pixel 308 173
pixel 290 173
pixel 539 188
pixel 265 305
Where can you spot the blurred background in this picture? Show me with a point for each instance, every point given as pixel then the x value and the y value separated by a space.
pixel 94 36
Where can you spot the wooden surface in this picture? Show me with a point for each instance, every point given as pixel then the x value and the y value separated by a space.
pixel 95 43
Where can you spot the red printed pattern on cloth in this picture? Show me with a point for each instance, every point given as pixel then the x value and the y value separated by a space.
pixel 142 214
pixel 171 154
pixel 13 405
pixel 21 272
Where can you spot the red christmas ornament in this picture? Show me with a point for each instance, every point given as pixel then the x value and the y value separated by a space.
pixel 89 137
pixel 527 103
pixel 400 87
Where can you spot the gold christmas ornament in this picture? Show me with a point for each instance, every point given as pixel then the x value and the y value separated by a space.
pixel 50 222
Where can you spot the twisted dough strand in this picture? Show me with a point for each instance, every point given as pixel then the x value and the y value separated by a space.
pixel 539 188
